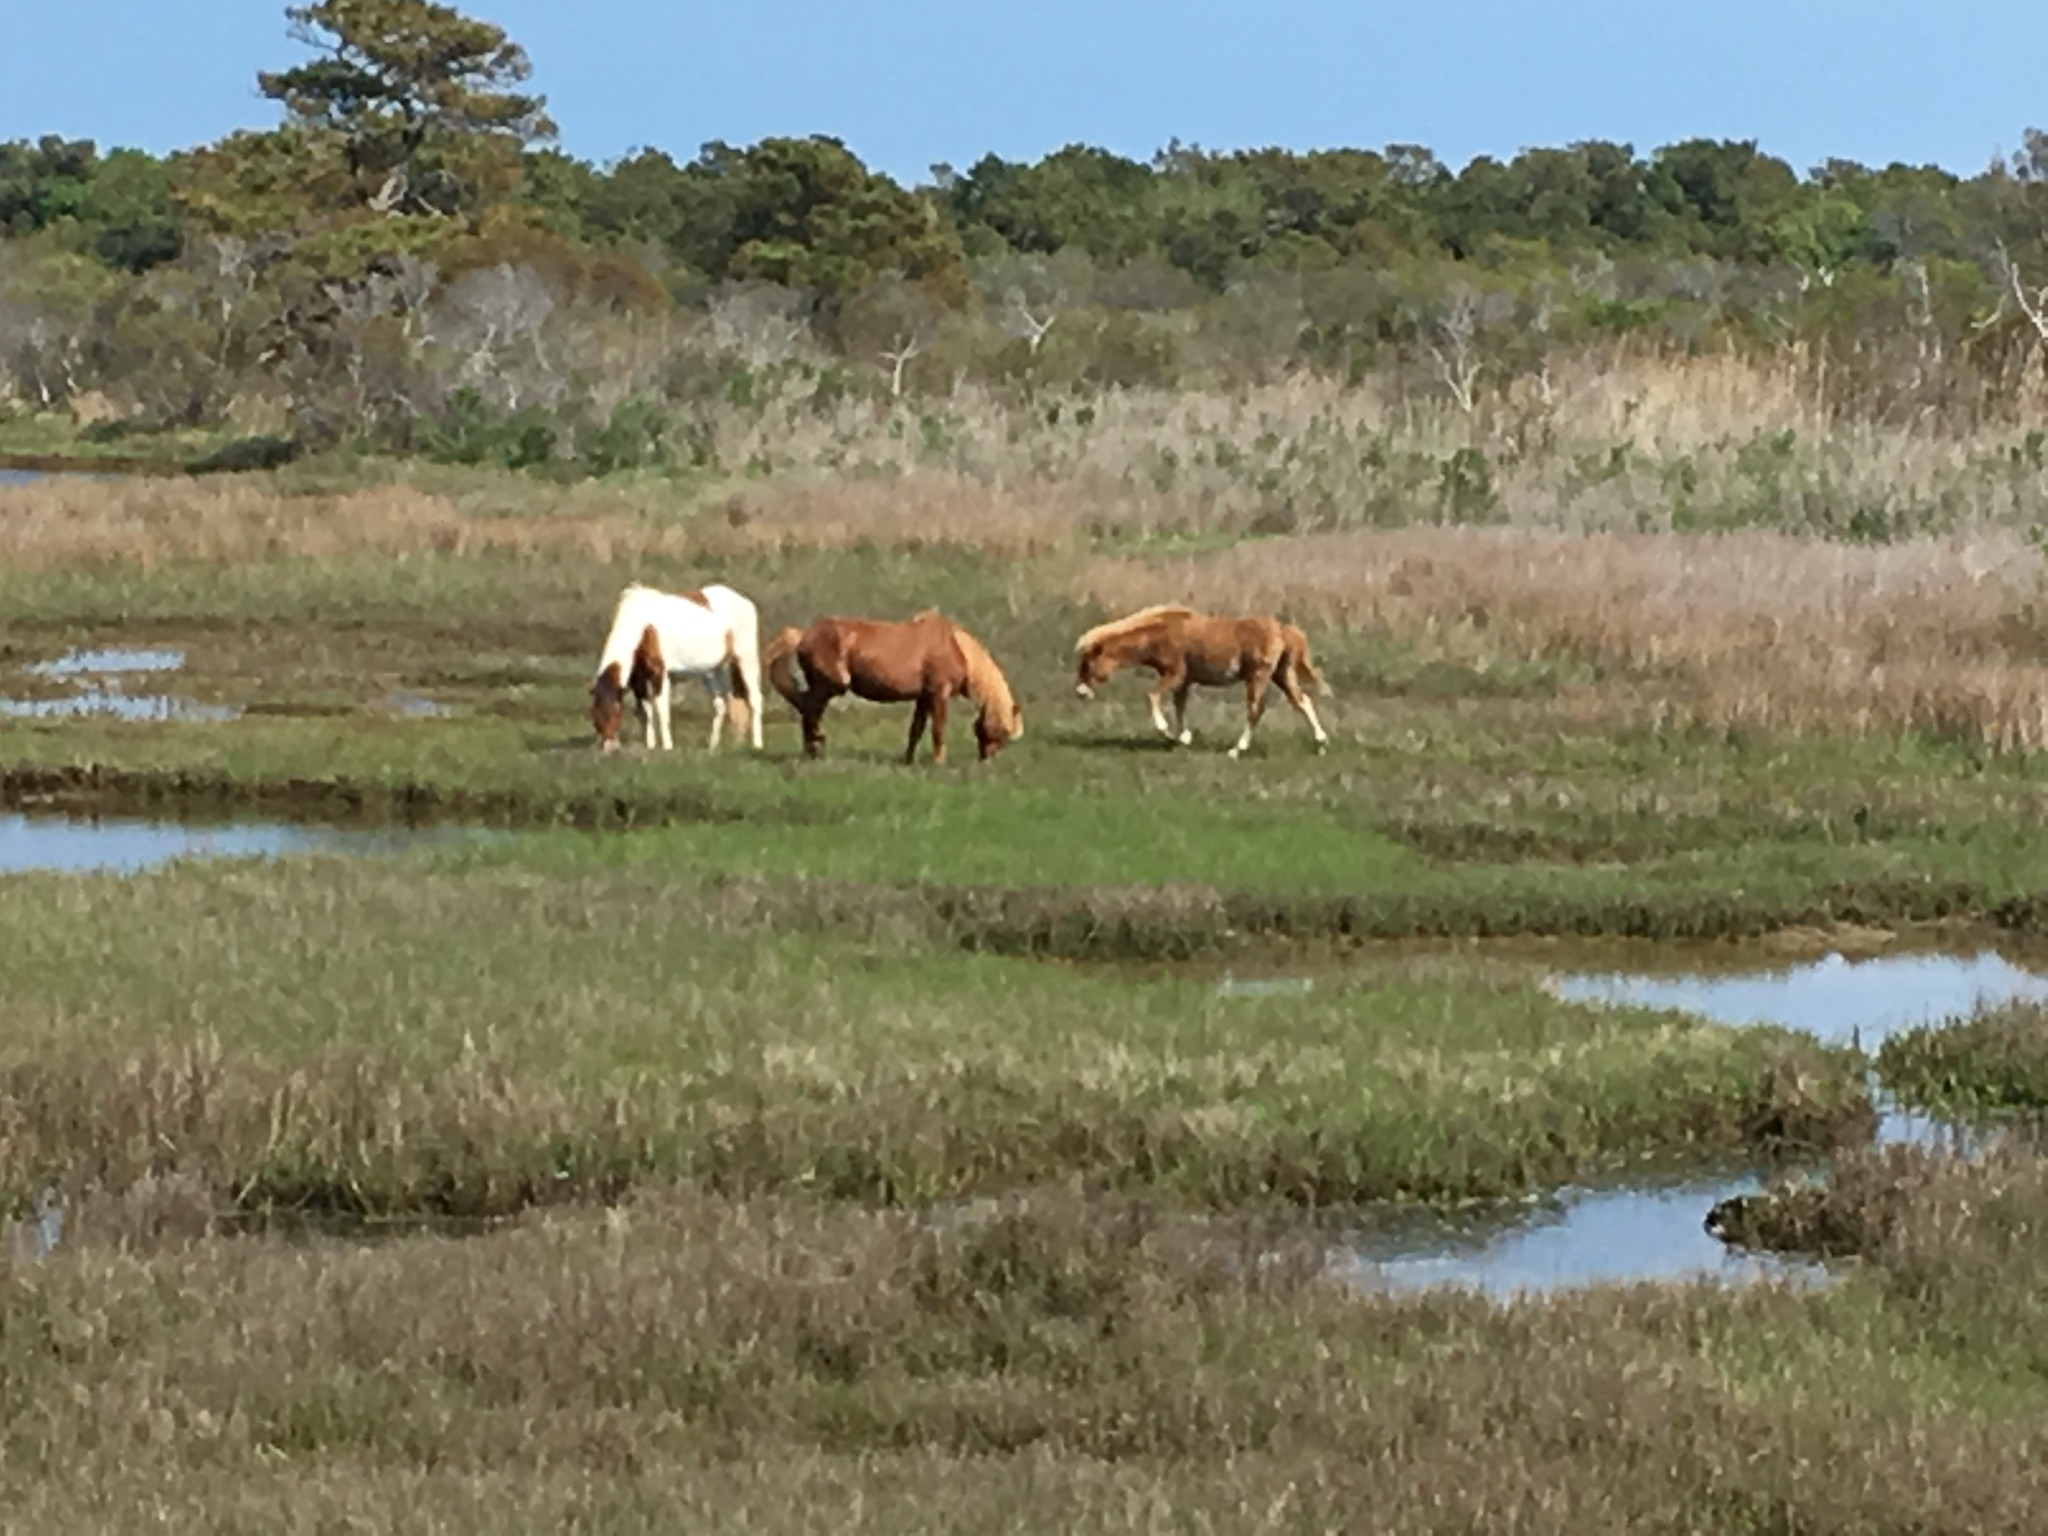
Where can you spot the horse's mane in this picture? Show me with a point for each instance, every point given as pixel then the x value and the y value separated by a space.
pixel 1116 629
pixel 986 684
pixel 628 623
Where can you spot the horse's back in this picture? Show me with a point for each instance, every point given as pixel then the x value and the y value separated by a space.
pixel 887 660
pixel 721 597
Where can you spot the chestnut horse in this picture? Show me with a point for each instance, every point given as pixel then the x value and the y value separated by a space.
pixel 1186 647
pixel 927 658
pixel 713 635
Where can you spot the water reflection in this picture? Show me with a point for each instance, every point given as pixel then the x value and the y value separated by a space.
pixel 117 705
pixel 1838 1001
pixel 1586 1237
pixel 98 672
pixel 109 659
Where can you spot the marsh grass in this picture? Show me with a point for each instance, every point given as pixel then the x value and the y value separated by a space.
pixel 1754 630
pixel 1991 1064
pixel 1046 1364
pixel 387 1036
pixel 804 983
pixel 1444 820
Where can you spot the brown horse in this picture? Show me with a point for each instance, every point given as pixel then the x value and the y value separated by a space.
pixel 927 658
pixel 1185 648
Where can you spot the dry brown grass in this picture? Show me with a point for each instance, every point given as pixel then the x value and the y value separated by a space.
pixel 1623 437
pixel 56 523
pixel 918 509
pixel 149 521
pixel 1048 1364
pixel 1753 629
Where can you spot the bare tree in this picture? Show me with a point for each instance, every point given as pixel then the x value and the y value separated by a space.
pixel 1027 292
pixel 2033 305
pixel 764 323
pixel 47 328
pixel 1451 332
pixel 494 321
pixel 908 344
pixel 43 351
pixel 405 286
pixel 894 318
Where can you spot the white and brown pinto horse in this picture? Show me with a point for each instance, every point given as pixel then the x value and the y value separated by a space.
pixel 712 634
pixel 1186 648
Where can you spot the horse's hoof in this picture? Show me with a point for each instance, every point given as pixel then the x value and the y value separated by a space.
pixel 1186 738
pixel 1235 753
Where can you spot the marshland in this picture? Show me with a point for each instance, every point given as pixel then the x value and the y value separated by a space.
pixel 1601 1091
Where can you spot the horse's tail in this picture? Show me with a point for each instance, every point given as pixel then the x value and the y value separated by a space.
pixel 1297 657
pixel 779 657
pixel 745 665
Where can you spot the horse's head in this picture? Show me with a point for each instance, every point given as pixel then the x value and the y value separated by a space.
pixel 991 734
pixel 607 707
pixel 1092 668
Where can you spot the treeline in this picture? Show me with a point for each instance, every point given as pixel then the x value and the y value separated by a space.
pixel 406 258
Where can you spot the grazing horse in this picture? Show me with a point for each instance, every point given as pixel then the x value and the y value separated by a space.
pixel 1185 648
pixel 713 634
pixel 927 658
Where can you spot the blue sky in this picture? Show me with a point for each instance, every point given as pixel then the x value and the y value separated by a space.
pixel 907 83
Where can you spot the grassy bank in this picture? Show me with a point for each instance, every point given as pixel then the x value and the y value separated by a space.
pixel 1989 1066
pixel 393 1035
pixel 1477 785
pixel 1050 1364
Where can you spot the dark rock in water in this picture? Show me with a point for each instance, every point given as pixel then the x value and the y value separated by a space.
pixel 1730 1218
pixel 1800 1217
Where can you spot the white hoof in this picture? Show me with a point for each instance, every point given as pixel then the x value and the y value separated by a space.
pixel 1186 738
pixel 1236 752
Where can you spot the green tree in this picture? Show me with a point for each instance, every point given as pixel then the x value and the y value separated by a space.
pixel 128 212
pixel 416 97
pixel 805 213
pixel 1729 190
pixel 1079 196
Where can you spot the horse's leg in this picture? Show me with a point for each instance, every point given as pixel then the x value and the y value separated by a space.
pixel 1254 706
pixel 939 726
pixel 645 707
pixel 662 701
pixel 1180 710
pixel 1298 697
pixel 813 712
pixel 918 717
pixel 718 708
pixel 1157 699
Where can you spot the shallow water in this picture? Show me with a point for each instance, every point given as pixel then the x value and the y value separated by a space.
pixel 98 674
pixel 1586 1237
pixel 117 705
pixel 124 845
pixel 415 706
pixel 107 660
pixel 1656 1231
pixel 1841 1002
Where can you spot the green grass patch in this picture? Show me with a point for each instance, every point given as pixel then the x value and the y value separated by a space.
pixel 385 1035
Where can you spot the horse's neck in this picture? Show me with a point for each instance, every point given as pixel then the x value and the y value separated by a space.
pixel 635 614
pixel 1135 649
